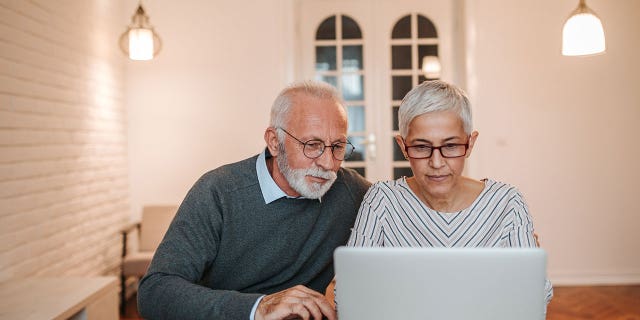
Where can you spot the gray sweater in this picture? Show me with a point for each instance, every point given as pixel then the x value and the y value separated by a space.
pixel 226 247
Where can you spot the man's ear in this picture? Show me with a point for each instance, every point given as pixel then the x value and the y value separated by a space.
pixel 271 138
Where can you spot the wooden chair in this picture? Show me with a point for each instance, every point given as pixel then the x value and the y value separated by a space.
pixel 150 229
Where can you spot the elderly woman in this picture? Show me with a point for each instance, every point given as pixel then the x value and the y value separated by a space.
pixel 438 206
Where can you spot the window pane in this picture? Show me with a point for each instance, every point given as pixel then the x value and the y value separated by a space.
pixel 402 172
pixel 402 29
pixel 332 80
pixel 360 151
pixel 426 29
pixel 327 29
pixel 356 118
pixel 394 116
pixel 400 57
pixel 400 86
pixel 352 58
pixel 352 87
pixel 325 58
pixel 397 153
pixel 350 29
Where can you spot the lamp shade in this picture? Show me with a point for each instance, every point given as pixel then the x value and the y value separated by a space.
pixel 582 33
pixel 140 41
pixel 140 44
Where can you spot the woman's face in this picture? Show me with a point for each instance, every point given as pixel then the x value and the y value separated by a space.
pixel 437 176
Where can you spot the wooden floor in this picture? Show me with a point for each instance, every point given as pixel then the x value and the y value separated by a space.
pixel 602 302
pixel 569 303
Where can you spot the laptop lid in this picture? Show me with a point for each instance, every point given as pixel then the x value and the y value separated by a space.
pixel 440 283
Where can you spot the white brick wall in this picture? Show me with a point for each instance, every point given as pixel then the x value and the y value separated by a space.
pixel 63 151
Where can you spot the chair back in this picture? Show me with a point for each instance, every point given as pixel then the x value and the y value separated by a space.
pixel 154 224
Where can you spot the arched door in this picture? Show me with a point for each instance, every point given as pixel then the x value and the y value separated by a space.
pixel 372 52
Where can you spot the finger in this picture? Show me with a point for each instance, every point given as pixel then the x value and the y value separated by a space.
pixel 297 301
pixel 318 305
pixel 283 304
pixel 306 291
pixel 326 308
pixel 300 310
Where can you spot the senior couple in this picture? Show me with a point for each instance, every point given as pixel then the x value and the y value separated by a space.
pixel 255 239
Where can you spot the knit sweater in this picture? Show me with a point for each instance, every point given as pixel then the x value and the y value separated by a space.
pixel 226 247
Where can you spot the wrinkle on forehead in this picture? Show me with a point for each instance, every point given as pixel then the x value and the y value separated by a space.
pixel 317 118
pixel 436 127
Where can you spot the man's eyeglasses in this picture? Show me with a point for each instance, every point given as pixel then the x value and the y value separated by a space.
pixel 315 148
pixel 449 150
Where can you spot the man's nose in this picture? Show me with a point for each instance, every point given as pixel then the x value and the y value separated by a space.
pixel 325 160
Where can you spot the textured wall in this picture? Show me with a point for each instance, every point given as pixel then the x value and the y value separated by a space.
pixel 63 150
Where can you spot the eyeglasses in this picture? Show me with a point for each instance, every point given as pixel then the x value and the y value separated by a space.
pixel 449 150
pixel 315 148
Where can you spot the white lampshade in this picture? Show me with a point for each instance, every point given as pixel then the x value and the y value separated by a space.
pixel 582 33
pixel 140 44
pixel 431 67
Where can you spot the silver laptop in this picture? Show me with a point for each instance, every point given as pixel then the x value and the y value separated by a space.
pixel 440 283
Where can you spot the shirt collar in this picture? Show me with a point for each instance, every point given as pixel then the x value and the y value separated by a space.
pixel 270 190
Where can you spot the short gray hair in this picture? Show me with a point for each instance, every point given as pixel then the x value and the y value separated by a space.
pixel 282 105
pixel 433 96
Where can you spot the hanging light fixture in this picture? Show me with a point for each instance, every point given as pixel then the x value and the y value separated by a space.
pixel 582 33
pixel 431 67
pixel 140 41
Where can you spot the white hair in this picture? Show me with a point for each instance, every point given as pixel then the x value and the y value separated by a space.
pixel 433 96
pixel 282 105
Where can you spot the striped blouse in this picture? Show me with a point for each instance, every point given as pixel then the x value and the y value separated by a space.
pixel 391 215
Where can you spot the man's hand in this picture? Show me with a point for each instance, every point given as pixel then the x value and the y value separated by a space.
pixel 298 302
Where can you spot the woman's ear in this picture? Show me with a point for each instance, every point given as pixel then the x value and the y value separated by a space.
pixel 472 141
pixel 400 143
pixel 271 138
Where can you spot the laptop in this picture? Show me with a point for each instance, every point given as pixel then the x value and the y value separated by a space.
pixel 440 283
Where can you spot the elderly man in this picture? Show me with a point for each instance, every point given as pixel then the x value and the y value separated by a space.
pixel 254 239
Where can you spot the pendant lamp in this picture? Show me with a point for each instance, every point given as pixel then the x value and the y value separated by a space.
pixel 431 67
pixel 140 41
pixel 582 33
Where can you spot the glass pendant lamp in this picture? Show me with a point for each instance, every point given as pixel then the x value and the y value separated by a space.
pixel 582 33
pixel 140 41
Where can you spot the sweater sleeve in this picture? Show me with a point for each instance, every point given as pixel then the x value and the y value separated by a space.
pixel 172 287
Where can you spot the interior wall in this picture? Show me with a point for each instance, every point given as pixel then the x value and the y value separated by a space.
pixel 559 128
pixel 63 157
pixel 205 100
pixel 562 129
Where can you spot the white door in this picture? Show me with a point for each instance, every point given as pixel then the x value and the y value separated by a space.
pixel 372 50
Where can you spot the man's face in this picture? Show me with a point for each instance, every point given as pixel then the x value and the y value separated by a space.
pixel 311 118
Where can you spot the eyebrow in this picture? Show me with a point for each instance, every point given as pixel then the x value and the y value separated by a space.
pixel 429 142
pixel 339 140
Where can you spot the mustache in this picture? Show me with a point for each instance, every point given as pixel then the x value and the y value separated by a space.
pixel 320 173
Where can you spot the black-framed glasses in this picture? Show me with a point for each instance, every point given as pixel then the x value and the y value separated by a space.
pixel 449 150
pixel 315 148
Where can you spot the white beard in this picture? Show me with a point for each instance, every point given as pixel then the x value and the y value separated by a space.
pixel 297 181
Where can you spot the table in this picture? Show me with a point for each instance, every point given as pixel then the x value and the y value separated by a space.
pixel 76 298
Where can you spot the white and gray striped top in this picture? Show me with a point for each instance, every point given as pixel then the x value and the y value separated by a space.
pixel 391 215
